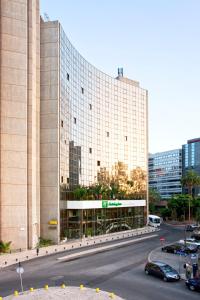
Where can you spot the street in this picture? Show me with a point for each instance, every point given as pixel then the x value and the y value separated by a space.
pixel 119 270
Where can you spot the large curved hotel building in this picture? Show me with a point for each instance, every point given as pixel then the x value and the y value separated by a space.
pixel 93 144
pixel 73 140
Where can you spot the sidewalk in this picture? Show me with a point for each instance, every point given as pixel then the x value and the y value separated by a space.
pixel 14 258
pixel 67 293
pixel 174 260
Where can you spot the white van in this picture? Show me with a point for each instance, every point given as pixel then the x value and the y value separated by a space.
pixel 154 221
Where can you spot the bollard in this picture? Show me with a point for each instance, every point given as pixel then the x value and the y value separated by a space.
pixel 46 287
pixel 31 289
pixel 97 290
pixel 81 286
pixel 16 293
pixel 112 295
pixel 63 286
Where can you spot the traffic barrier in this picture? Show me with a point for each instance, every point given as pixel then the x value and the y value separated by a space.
pixel 81 286
pixel 16 293
pixel 46 287
pixel 97 290
pixel 31 289
pixel 1 298
pixel 63 286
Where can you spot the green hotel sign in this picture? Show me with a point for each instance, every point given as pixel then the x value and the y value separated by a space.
pixel 107 203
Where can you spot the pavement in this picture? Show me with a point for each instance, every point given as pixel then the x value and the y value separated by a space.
pixel 13 258
pixel 174 260
pixel 67 293
pixel 119 270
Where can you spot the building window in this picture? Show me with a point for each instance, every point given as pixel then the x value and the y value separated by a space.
pixel 82 90
pixel 62 123
pixel 61 179
pixel 126 138
pixel 90 150
pixel 67 179
pixel 107 134
pixel 90 105
pixel 65 142
pixel 67 76
pixel 98 163
pixel 74 120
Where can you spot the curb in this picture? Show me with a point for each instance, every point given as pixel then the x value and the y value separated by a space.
pixel 102 249
pixel 12 259
pixel 182 275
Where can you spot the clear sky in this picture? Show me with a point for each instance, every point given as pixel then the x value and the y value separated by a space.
pixel 157 42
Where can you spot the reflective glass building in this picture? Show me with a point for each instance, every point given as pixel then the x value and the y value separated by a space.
pixel 191 158
pixel 165 171
pixel 94 135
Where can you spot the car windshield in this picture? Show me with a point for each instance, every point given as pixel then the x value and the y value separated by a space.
pixel 167 269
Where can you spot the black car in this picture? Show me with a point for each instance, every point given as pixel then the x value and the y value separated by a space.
pixel 196 236
pixel 191 227
pixel 193 284
pixel 180 248
pixel 161 270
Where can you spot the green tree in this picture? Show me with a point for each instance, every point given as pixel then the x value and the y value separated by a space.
pixel 190 180
pixel 154 198
pixel 178 205
pixel 4 247
pixel 80 192
pixel 165 212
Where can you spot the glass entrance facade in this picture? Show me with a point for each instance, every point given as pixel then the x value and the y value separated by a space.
pixel 92 222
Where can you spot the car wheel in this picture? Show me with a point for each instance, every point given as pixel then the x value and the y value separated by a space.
pixel 165 279
pixel 146 272
pixel 191 287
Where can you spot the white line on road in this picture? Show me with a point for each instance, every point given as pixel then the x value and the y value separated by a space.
pixel 82 253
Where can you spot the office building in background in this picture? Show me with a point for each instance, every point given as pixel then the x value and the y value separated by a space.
pixel 165 172
pixel 191 159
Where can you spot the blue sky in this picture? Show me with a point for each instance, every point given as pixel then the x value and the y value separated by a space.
pixel 157 42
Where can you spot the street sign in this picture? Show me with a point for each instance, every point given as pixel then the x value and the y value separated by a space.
pixel 20 270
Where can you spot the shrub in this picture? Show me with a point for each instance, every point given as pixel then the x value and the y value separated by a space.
pixel 4 247
pixel 44 242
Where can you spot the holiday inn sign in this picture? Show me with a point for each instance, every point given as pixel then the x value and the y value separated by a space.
pixel 90 204
pixel 107 203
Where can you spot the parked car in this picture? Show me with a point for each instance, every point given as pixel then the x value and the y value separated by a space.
pixel 161 270
pixel 195 236
pixel 190 241
pixel 177 248
pixel 191 227
pixel 193 284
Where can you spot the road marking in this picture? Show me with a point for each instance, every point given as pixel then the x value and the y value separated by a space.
pixel 91 251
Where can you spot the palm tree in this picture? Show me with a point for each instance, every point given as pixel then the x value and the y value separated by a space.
pixel 190 180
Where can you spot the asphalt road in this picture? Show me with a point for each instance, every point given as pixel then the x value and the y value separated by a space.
pixel 120 270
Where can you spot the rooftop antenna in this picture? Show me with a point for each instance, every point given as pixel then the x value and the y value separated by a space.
pixel 120 72
pixel 46 17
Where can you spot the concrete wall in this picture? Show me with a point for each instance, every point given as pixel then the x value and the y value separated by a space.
pixel 19 122
pixel 49 140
